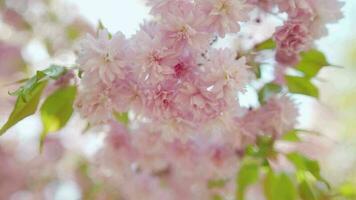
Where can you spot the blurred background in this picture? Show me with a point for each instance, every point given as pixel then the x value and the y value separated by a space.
pixel 36 33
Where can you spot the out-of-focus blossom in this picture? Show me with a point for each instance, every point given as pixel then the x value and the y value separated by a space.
pixel 275 118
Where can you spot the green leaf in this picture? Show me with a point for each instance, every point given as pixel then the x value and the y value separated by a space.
pixel 291 136
pixel 24 108
pixel 267 91
pixel 72 32
pixel 279 187
pixel 305 164
pixel 301 85
pixel 348 190
pixel 102 27
pixel 262 149
pixel 29 94
pixel 122 118
pixel 53 72
pixel 306 191
pixel 247 175
pixel 57 110
pixel 217 183
pixel 311 62
pixel 265 45
pixel 216 197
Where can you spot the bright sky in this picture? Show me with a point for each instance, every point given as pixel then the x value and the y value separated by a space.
pixel 116 15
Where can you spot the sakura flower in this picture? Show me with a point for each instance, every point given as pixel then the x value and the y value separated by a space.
pixel 104 56
pixel 185 66
pixel 224 15
pixel 153 59
pixel 13 176
pixel 163 6
pixel 291 39
pixel 264 4
pixel 159 101
pixel 10 59
pixel 290 6
pixel 225 73
pixel 326 12
pixel 96 104
pixel 313 146
pixel 275 118
pixel 197 104
pixel 185 28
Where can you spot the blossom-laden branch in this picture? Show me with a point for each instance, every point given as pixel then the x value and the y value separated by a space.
pixel 184 131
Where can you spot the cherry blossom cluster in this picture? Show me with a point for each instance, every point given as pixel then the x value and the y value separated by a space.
pixel 186 127
pixel 306 23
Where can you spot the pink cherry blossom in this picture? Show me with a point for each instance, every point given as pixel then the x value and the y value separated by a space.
pixel 224 16
pixel 291 39
pixel 232 75
pixel 104 56
pixel 161 7
pixel 185 28
pixel 275 118
pixel 197 104
pixel 153 60
pixel 326 12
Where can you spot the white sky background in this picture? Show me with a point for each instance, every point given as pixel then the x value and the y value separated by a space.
pixel 116 15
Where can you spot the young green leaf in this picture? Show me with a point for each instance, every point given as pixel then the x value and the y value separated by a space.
pixel 267 91
pixel 24 108
pixel 53 72
pixel 247 175
pixel 122 118
pixel 311 62
pixel 216 197
pixel 291 136
pixel 302 85
pixel 265 45
pixel 262 149
pixel 279 187
pixel 217 183
pixel 305 164
pixel 306 191
pixel 57 110
pixel 348 190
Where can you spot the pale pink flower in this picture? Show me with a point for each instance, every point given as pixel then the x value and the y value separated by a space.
pixel 104 56
pixel 263 4
pixel 153 61
pixel 275 118
pixel 311 145
pixel 159 101
pixel 326 12
pixel 225 73
pixel 185 29
pixel 161 7
pixel 13 175
pixel 96 104
pixel 291 6
pixel 11 60
pixel 185 67
pixel 196 103
pixel 224 16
